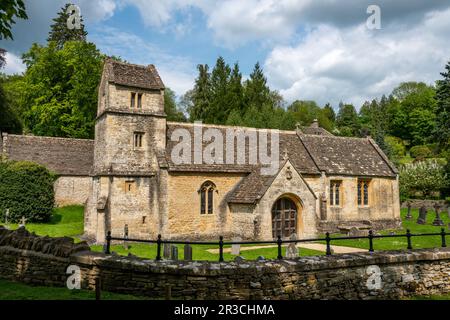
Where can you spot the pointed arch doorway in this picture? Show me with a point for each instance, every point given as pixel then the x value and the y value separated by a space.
pixel 284 217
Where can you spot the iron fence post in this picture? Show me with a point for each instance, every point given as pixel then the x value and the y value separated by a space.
pixel 108 243
pixel 328 240
pixel 370 241
pixel 158 248
pixel 408 237
pixel 279 242
pixel 444 244
pixel 220 249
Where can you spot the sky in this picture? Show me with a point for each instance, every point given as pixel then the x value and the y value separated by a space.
pixel 320 50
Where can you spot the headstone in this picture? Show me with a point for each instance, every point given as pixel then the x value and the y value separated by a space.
pixel 437 220
pixel 239 259
pixel 125 236
pixel 260 258
pixel 422 219
pixel 187 252
pixel 22 222
pixel 6 218
pixel 236 248
pixel 408 215
pixel 292 250
pixel 166 250
pixel 174 253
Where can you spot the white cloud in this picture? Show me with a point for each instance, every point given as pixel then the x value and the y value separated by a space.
pixel 354 64
pixel 13 64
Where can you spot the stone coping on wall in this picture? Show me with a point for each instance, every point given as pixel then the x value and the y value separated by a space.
pixel 303 264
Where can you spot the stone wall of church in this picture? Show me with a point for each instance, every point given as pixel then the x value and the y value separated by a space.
pixel 121 98
pixel 70 190
pixel 384 203
pixel 184 218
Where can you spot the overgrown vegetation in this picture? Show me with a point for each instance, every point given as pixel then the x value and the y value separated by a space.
pixel 26 189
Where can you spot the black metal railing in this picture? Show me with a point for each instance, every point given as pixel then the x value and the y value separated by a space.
pixel 279 241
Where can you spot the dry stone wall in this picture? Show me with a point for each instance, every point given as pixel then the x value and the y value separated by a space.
pixel 382 275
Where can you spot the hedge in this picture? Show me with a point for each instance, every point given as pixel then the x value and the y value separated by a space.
pixel 26 189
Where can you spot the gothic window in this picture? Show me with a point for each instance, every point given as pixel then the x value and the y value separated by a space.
pixel 335 193
pixel 133 99
pixel 207 197
pixel 363 192
pixel 137 139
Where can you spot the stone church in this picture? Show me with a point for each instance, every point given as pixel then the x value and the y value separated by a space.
pixel 126 177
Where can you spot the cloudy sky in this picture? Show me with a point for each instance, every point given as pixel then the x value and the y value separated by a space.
pixel 310 49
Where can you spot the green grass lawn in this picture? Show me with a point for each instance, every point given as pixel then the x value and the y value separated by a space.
pixel 68 221
pixel 65 222
pixel 401 243
pixel 19 291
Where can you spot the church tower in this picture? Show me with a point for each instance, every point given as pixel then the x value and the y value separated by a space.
pixel 130 133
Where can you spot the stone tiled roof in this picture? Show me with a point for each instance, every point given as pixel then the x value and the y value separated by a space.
pixel 317 131
pixel 348 156
pixel 289 144
pixel 251 188
pixel 133 75
pixel 60 155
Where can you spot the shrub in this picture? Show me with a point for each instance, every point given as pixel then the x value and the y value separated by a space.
pixel 26 189
pixel 425 177
pixel 396 147
pixel 420 152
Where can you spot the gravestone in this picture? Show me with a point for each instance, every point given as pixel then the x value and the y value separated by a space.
pixel 22 222
pixel 174 253
pixel 422 219
pixel 260 258
pixel 239 259
pixel 187 252
pixel 6 218
pixel 236 248
pixel 437 220
pixel 166 250
pixel 408 215
pixel 125 236
pixel 292 250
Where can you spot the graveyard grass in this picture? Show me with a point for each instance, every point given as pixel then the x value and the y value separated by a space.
pixel 68 221
pixel 19 291
pixel 401 243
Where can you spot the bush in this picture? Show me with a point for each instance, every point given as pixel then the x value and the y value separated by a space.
pixel 421 152
pixel 426 177
pixel 396 147
pixel 26 189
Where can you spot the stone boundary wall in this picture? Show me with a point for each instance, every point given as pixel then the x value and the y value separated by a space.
pixel 381 275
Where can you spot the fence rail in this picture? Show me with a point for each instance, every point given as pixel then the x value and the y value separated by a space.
pixel 279 242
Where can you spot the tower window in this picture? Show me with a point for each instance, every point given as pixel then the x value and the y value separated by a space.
pixel 137 139
pixel 207 197
pixel 129 186
pixel 335 193
pixel 133 100
pixel 363 192
pixel 139 101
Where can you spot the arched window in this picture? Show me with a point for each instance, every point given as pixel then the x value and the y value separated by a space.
pixel 207 197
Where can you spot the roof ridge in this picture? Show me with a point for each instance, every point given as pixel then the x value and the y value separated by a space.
pixel 227 126
pixel 309 152
pixel 383 155
pixel 48 137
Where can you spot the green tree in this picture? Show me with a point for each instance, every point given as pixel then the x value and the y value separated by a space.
pixel 257 93
pixel 347 120
pixel 235 93
pixel 219 104
pixel 9 10
pixel 443 109
pixel 170 107
pixel 60 33
pixel 328 112
pixel 60 89
pixel 9 121
pixel 198 101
